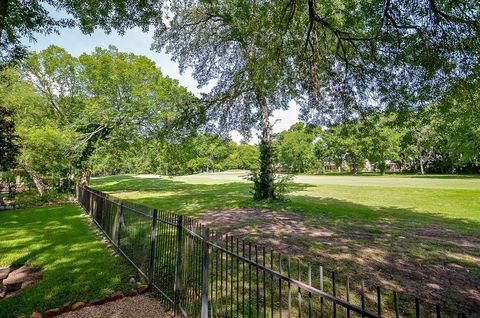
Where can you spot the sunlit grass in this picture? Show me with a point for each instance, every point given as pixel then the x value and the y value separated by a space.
pixel 448 197
pixel 76 265
pixel 392 230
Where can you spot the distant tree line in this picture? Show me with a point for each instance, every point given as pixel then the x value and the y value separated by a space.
pixel 200 152
pixel 437 138
pixel 442 137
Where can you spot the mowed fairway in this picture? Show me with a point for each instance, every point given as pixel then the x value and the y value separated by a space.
pixel 415 234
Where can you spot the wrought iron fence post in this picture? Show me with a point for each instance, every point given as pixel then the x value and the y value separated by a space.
pixel 90 204
pixel 204 313
pixel 152 246
pixel 178 261
pixel 104 204
pixel 119 230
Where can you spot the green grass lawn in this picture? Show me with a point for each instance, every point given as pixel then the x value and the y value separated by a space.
pixel 415 234
pixel 76 265
pixel 442 197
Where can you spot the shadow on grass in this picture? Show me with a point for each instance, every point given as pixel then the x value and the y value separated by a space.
pixel 448 176
pixel 425 254
pixel 181 197
pixel 422 254
pixel 75 265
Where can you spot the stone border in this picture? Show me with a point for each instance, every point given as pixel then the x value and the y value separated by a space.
pixel 142 289
pixel 15 278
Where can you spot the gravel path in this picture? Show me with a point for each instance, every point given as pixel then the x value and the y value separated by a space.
pixel 138 306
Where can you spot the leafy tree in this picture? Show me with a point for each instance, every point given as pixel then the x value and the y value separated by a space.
pixel 107 99
pixel 443 137
pixel 48 152
pixel 331 56
pixel 234 43
pixel 455 119
pixel 294 148
pixel 373 137
pixel 381 140
pixel 25 18
pixel 342 144
pixel 8 142
pixel 243 156
pixel 400 53
pixel 106 95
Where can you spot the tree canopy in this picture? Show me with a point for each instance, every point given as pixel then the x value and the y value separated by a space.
pixel 66 107
pixel 335 58
pixel 8 142
pixel 23 19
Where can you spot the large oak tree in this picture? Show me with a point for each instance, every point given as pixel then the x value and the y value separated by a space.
pixel 335 58
pixel 68 106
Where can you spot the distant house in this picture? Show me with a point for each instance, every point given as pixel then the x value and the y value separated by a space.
pixel 279 167
pixel 392 166
pixel 330 167
pixel 368 166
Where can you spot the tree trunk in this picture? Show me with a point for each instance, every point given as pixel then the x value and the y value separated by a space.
pixel 422 171
pixel 41 187
pixel 419 149
pixel 3 15
pixel 265 188
pixel 85 177
pixel 37 180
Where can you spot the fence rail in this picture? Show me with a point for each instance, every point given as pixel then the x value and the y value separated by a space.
pixel 203 273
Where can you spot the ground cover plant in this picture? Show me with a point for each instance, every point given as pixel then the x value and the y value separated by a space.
pixel 416 235
pixel 76 266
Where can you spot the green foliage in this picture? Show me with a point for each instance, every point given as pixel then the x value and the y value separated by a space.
pixel 294 149
pixel 342 144
pixel 263 180
pixel 381 140
pixel 20 20
pixel 283 185
pixel 67 107
pixel 192 154
pixel 243 156
pixel 8 142
pixel 443 137
pixel 49 151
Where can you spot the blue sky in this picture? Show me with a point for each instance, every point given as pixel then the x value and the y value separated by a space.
pixel 137 42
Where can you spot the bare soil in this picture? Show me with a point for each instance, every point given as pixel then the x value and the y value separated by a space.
pixel 433 264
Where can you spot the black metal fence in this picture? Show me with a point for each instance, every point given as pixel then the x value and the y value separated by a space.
pixel 202 273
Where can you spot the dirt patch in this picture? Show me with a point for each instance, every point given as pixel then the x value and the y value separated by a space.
pixel 16 278
pixel 434 264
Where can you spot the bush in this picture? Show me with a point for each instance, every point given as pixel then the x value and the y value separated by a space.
pixel 33 198
pixel 282 184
